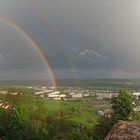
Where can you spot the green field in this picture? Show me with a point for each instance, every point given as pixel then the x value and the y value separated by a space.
pixel 37 118
pixel 75 111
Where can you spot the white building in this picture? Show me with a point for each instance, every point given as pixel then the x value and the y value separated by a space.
pixel 56 96
pixel 136 95
pixel 3 92
pixel 77 95
pixel 106 95
pixel 14 93
pixel 53 95
pixel 62 95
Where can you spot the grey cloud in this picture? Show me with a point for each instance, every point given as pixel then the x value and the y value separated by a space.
pixel 16 52
pixel 109 30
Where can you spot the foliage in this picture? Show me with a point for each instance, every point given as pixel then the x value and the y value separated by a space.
pixel 102 128
pixel 33 118
pixel 16 125
pixel 136 116
pixel 122 106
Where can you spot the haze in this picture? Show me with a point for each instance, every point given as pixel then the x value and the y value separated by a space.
pixel 81 39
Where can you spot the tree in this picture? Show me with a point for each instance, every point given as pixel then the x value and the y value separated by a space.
pixel 122 106
pixel 16 125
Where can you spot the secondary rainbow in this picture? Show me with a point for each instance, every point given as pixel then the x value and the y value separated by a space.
pixel 41 13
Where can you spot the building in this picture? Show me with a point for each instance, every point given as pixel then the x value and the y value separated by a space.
pixel 136 95
pixel 106 95
pixel 77 95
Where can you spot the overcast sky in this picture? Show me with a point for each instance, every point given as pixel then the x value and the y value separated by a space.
pixel 80 38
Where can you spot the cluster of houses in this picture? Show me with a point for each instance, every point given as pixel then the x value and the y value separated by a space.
pixel 106 94
pixel 74 94
pixel 4 105
pixel 106 113
pixel 136 95
pixel 3 92
pixel 59 95
pixel 50 94
pixel 110 94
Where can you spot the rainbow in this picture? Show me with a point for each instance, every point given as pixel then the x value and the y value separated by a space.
pixel 44 58
pixel 41 13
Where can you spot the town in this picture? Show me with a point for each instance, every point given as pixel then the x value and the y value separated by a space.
pixel 69 93
pixel 102 97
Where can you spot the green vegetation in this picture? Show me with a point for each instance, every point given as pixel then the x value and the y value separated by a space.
pixel 122 106
pixel 29 117
pixel 34 118
pixel 104 84
pixel 122 109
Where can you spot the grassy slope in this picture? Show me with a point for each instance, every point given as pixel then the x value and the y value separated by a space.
pixel 80 112
pixel 77 112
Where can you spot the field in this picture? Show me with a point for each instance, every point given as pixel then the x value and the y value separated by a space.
pixel 103 84
pixel 79 112
pixel 38 118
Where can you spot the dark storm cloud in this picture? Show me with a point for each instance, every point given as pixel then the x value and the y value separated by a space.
pixel 95 36
pixel 16 52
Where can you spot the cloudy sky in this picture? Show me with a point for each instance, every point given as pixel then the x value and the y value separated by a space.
pixel 80 38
